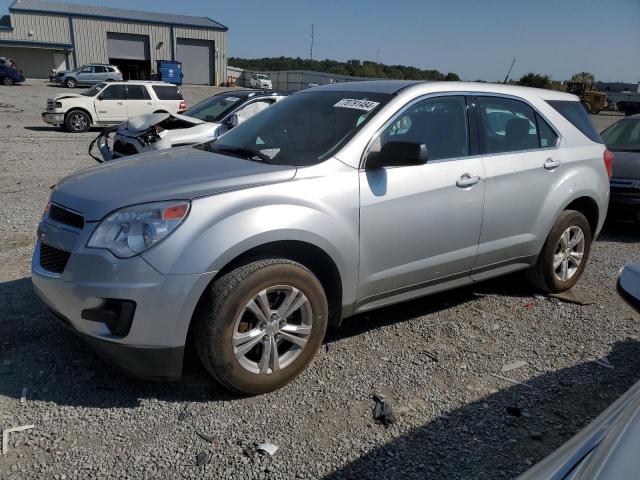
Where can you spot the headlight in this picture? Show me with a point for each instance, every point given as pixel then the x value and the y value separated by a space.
pixel 132 230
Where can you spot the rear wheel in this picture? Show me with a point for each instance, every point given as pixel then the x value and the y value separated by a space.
pixel 71 83
pixel 260 325
pixel 564 255
pixel 77 121
pixel 7 81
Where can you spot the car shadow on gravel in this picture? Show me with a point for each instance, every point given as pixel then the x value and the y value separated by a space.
pixel 55 366
pixel 503 434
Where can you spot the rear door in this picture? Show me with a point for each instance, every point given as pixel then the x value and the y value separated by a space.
pixel 523 165
pixel 419 225
pixel 111 104
pixel 138 100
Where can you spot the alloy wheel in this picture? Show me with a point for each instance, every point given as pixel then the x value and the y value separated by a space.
pixel 272 329
pixel 568 253
pixel 78 121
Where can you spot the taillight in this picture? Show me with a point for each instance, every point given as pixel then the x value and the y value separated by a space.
pixel 608 161
pixel 183 105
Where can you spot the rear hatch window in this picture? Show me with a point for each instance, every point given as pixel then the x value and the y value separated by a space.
pixel 577 115
pixel 167 92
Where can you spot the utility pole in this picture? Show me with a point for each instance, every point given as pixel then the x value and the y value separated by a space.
pixel 378 56
pixel 311 50
pixel 509 72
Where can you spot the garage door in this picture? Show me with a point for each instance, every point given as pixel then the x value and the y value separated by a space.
pixel 128 47
pixel 197 60
pixel 34 62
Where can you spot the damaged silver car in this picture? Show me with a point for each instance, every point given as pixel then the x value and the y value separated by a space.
pixel 203 122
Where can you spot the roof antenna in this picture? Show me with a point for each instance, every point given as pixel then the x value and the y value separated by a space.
pixel 509 72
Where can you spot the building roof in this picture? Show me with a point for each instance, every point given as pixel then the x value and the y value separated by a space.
pixel 118 14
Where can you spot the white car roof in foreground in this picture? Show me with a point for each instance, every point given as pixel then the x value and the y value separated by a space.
pixel 417 87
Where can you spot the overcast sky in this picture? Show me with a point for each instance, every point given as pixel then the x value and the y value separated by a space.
pixel 476 39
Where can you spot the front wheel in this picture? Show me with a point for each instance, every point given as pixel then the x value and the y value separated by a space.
pixel 564 255
pixel 260 325
pixel 71 83
pixel 77 121
pixel 7 81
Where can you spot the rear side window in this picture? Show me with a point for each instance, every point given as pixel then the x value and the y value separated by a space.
pixel 576 114
pixel 548 137
pixel 507 125
pixel 138 92
pixel 166 92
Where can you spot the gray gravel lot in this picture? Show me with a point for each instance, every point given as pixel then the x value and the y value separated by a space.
pixel 432 359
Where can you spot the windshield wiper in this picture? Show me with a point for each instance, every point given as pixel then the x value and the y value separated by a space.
pixel 242 152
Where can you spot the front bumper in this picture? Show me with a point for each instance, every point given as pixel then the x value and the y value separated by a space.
pixel 53 118
pixel 153 346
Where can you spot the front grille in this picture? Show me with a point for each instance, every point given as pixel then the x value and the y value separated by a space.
pixel 53 259
pixel 66 217
pixel 124 148
pixel 51 104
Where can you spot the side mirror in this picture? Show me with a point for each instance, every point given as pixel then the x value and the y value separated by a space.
pixel 397 154
pixel 100 97
pixel 233 121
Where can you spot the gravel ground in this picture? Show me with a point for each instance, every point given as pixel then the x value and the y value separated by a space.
pixel 433 359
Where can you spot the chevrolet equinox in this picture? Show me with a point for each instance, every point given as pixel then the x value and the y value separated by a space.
pixel 334 201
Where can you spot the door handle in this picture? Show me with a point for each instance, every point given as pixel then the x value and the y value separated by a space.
pixel 149 103
pixel 466 181
pixel 120 103
pixel 551 164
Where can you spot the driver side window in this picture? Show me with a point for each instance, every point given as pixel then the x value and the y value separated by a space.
pixel 87 70
pixel 113 92
pixel 440 123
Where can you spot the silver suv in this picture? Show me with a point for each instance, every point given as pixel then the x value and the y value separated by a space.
pixel 88 75
pixel 334 201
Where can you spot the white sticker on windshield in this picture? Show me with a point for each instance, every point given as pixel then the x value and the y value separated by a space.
pixel 232 99
pixel 357 104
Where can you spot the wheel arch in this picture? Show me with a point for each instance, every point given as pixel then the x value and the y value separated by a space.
pixel 589 208
pixel 84 110
pixel 311 256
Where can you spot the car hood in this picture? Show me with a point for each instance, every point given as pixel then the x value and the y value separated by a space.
pixel 62 96
pixel 141 123
pixel 626 165
pixel 178 173
pixel 606 449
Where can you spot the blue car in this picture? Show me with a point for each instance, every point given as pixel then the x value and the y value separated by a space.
pixel 9 73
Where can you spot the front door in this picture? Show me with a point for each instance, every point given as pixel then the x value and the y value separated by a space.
pixel 419 225
pixel 111 104
pixel 523 166
pixel 86 76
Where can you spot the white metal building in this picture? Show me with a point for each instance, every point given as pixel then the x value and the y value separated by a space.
pixel 40 36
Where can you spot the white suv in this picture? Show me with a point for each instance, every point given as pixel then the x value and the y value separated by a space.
pixel 112 103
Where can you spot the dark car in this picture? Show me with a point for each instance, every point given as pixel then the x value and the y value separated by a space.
pixel 623 139
pixel 9 72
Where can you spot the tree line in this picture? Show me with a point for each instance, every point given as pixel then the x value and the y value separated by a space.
pixel 353 68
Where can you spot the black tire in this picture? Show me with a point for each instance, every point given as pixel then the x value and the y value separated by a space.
pixel 7 81
pixel 77 121
pixel 71 83
pixel 542 275
pixel 224 302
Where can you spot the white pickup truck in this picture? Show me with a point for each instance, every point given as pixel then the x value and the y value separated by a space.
pixel 112 103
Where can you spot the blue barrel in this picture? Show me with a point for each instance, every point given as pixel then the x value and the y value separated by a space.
pixel 170 72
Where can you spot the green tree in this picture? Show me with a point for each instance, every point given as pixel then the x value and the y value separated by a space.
pixel 535 80
pixel 584 77
pixel 452 77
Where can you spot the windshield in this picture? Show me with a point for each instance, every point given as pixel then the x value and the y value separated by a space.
pixel 303 129
pixel 214 108
pixel 93 91
pixel 623 136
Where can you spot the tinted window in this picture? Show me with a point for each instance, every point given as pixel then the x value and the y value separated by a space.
pixel 623 135
pixel 113 92
pixel 87 70
pixel 138 92
pixel 440 123
pixel 110 69
pixel 303 129
pixel 166 92
pixel 506 125
pixel 548 137
pixel 575 113
pixel 214 108
pixel 99 69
